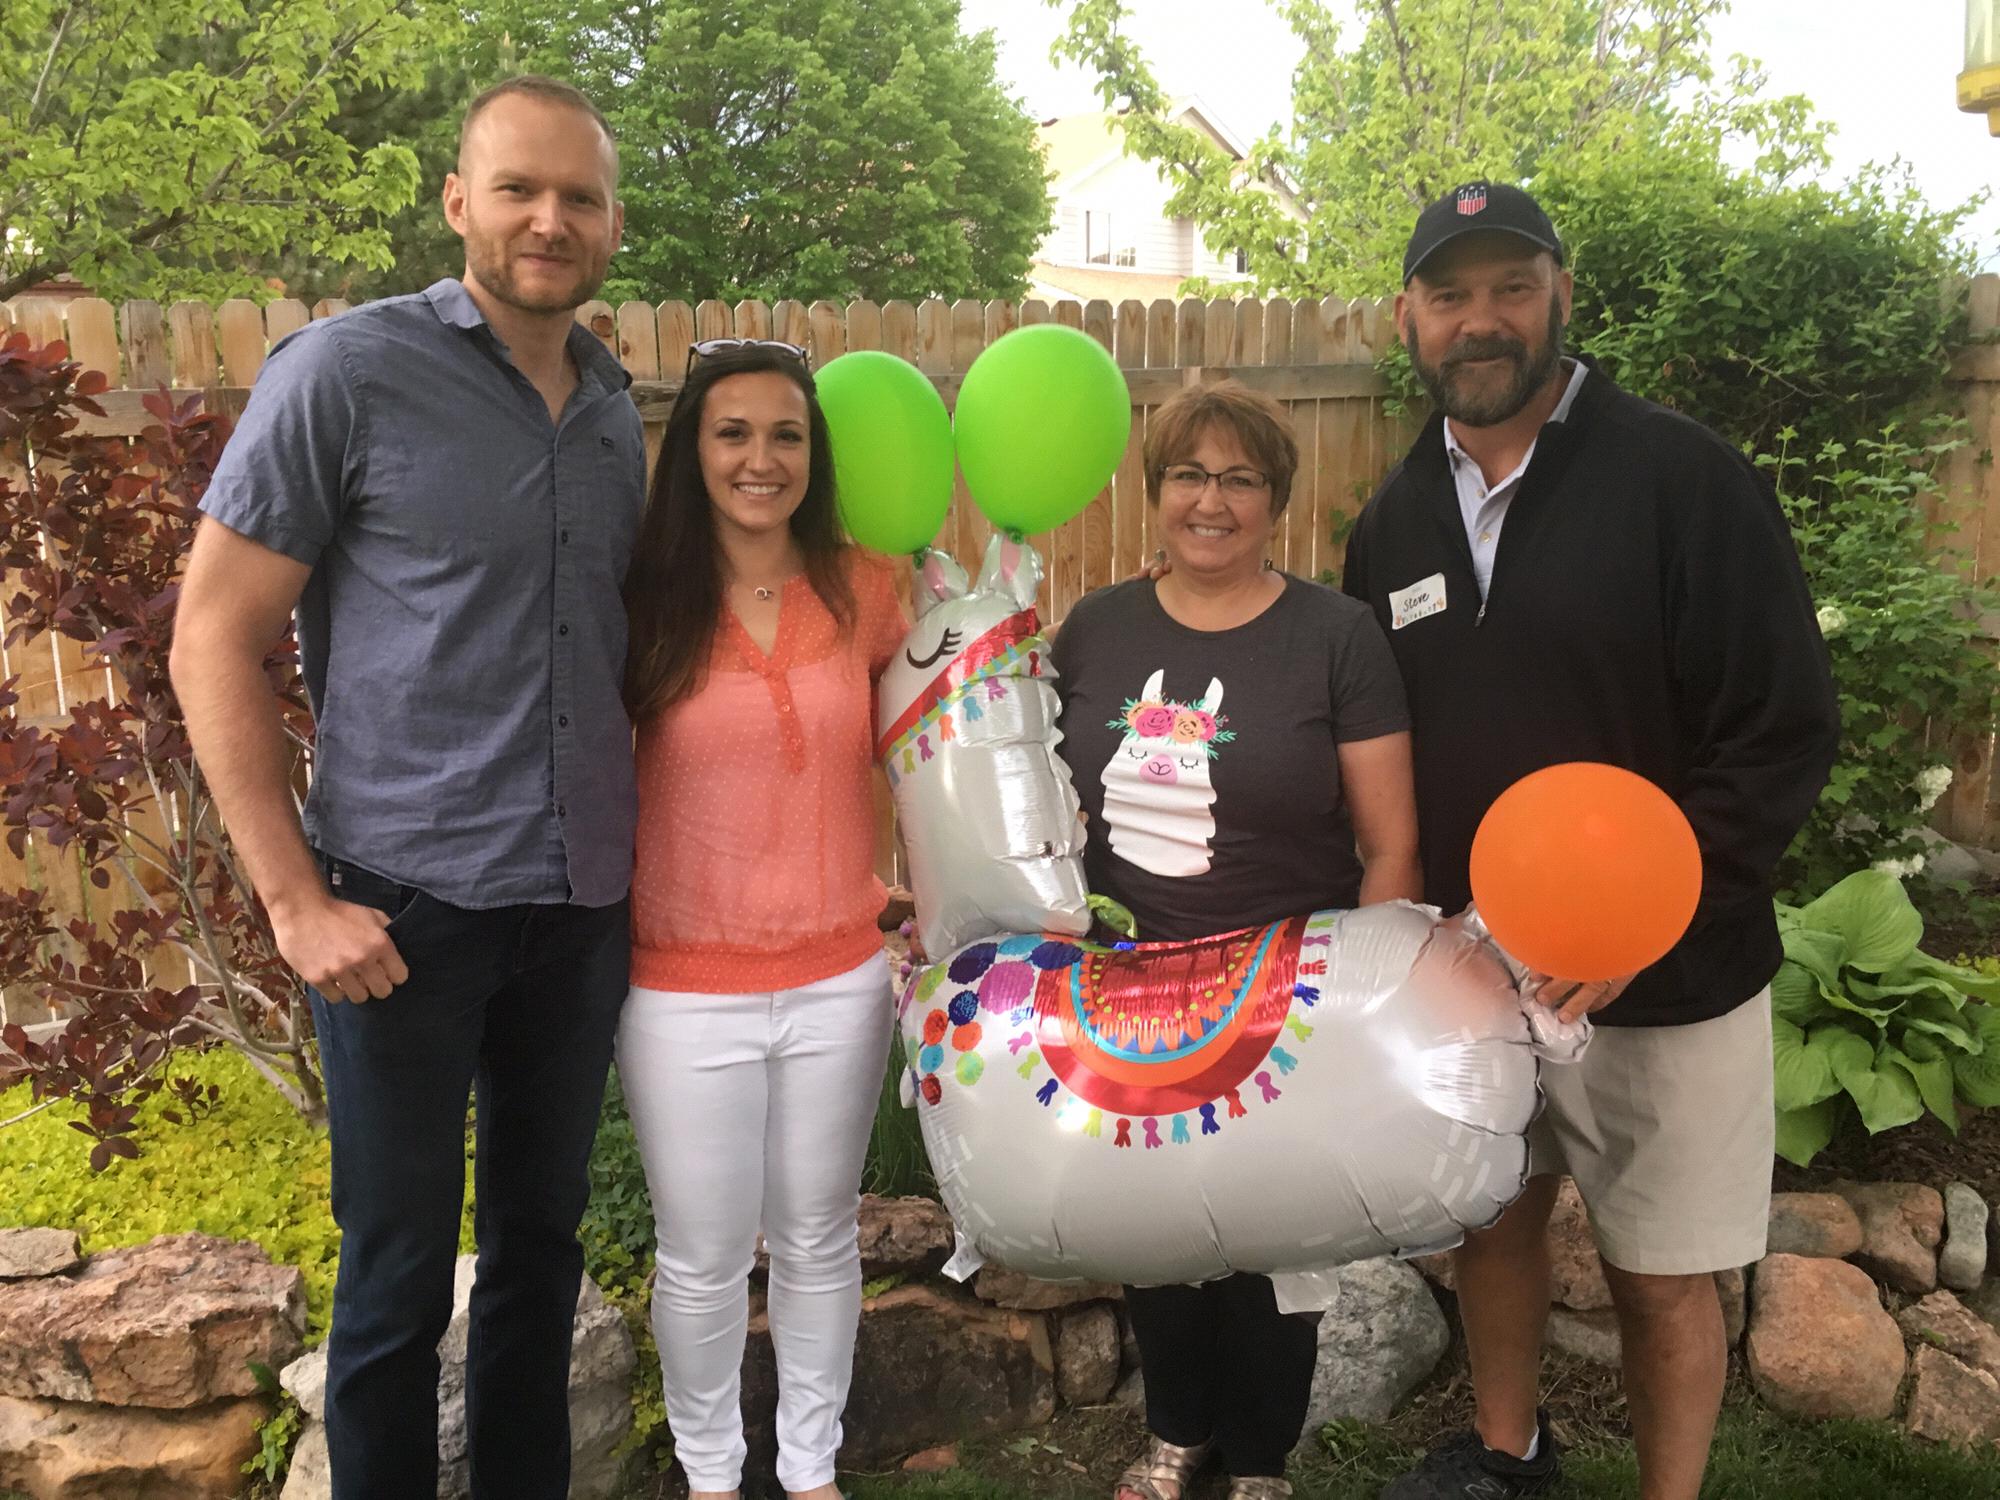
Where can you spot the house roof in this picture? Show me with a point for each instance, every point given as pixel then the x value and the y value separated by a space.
pixel 1078 147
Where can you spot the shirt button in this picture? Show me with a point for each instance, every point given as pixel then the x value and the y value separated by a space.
pixel 561 811
pixel 563 536
pixel 562 629
pixel 562 721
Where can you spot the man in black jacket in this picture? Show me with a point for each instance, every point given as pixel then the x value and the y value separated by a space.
pixel 1567 572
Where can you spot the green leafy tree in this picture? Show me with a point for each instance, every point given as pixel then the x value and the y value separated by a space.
pixel 1433 92
pixel 423 120
pixel 799 148
pixel 165 147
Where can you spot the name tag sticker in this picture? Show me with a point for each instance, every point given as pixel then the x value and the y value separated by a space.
pixel 1419 601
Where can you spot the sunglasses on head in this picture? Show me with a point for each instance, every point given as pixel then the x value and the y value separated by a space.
pixel 709 348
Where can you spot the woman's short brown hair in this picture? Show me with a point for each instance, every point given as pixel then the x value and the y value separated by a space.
pixel 1252 418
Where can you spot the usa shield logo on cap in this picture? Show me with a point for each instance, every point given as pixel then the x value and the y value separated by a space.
pixel 1472 198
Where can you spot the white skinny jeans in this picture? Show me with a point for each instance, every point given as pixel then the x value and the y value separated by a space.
pixel 754 1110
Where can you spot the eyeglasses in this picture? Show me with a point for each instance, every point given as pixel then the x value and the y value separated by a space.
pixel 1192 479
pixel 708 348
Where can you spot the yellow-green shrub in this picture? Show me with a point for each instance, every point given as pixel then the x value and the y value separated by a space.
pixel 249 1169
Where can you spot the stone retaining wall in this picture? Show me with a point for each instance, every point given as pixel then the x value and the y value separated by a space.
pixel 133 1372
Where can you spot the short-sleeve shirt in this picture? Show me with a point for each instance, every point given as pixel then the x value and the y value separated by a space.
pixel 461 633
pixel 756 802
pixel 1208 760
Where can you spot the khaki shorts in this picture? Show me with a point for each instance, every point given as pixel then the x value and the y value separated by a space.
pixel 1668 1131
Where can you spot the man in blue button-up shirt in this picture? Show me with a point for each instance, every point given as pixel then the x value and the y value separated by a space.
pixel 445 487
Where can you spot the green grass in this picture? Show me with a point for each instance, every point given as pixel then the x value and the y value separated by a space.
pixel 1757 1456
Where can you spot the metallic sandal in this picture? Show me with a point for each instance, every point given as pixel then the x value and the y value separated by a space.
pixel 1163 1463
pixel 1259 1487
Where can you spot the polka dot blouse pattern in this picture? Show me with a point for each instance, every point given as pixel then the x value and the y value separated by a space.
pixel 756 843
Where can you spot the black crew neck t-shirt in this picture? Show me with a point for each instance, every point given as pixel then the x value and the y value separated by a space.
pixel 1208 759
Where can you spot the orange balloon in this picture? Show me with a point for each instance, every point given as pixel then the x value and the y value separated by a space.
pixel 1585 871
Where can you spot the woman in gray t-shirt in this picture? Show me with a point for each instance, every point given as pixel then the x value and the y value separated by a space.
pixel 1240 742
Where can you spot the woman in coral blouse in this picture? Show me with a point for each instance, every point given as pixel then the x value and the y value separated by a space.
pixel 753 1044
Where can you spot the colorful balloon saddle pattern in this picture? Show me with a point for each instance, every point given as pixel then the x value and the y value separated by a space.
pixel 1144 1045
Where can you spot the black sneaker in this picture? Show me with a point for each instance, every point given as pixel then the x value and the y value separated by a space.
pixel 1464 1468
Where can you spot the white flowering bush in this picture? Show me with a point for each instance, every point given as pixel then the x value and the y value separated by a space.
pixel 1901 628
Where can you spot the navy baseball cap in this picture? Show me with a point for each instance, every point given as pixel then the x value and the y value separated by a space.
pixel 1475 206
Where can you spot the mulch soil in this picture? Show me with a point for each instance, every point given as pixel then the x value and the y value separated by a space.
pixel 1922 1152
pixel 1084 1450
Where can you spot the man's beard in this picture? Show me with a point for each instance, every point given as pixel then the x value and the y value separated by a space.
pixel 1470 407
pixel 493 268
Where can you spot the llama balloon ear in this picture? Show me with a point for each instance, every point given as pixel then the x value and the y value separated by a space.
pixel 1012 570
pixel 937 578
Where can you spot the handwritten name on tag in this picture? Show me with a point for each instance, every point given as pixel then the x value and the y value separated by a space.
pixel 1417 602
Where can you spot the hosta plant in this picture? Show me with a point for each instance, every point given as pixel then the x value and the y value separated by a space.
pixel 1865 1025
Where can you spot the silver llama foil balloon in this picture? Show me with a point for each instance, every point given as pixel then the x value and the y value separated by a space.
pixel 966 730
pixel 1283 1099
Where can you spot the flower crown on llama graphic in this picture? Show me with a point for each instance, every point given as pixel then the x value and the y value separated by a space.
pixel 1155 718
pixel 1158 797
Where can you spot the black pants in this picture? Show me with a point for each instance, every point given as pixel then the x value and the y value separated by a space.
pixel 518 1005
pixel 1222 1362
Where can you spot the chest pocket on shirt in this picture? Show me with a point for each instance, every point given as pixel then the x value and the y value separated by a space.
pixel 600 511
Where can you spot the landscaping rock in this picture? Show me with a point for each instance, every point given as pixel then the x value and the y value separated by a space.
pixel 1901 1226
pixel 63 1450
pixel 173 1323
pixel 932 1460
pixel 311 1472
pixel 1010 1289
pixel 1947 861
pixel 1440 1270
pixel 1819 1343
pixel 1951 1402
pixel 601 1364
pixel 1984 1304
pixel 1594 1335
pixel 898 907
pixel 1962 1262
pixel 1820 1224
pixel 1086 1350
pixel 37 1252
pixel 1733 1288
pixel 1576 1273
pixel 1591 1336
pixel 1943 1321
pixel 931 1366
pixel 1131 1392
pixel 903 1236
pixel 1380 1338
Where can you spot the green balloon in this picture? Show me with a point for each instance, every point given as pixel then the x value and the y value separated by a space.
pixel 891 449
pixel 1042 421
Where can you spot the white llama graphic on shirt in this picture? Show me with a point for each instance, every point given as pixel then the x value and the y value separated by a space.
pixel 1157 791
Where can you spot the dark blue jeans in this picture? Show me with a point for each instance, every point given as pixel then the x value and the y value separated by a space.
pixel 518 1006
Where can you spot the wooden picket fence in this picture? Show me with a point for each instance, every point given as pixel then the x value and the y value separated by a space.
pixel 1968 517
pixel 1317 358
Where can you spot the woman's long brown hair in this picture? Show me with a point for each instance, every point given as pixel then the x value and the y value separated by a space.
pixel 674 592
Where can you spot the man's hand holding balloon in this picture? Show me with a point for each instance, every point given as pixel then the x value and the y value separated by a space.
pixel 1586 874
